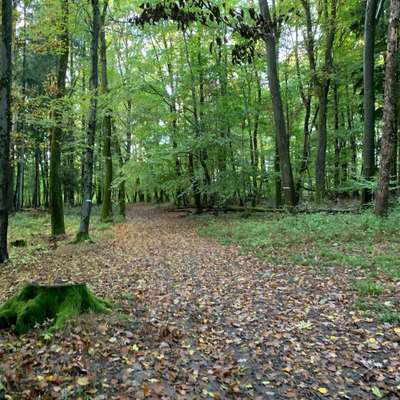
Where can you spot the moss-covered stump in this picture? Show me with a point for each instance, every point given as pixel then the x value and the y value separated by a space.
pixel 60 302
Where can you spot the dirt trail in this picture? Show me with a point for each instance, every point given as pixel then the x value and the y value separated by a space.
pixel 198 320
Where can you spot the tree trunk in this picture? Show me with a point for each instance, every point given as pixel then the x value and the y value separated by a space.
pixel 19 184
pixel 36 181
pixel 306 95
pixel 83 233
pixel 279 116
pixel 106 208
pixel 389 110
pixel 122 186
pixel 5 120
pixel 45 177
pixel 338 142
pixel 56 205
pixel 323 91
pixel 368 154
pixel 195 184
pixel 278 180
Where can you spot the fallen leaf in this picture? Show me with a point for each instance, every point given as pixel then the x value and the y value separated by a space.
pixel 82 381
pixel 323 390
pixel 375 390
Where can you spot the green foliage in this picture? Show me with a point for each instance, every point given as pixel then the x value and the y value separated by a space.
pixel 362 241
pixel 385 311
pixel 34 228
pixel 354 240
pixel 368 287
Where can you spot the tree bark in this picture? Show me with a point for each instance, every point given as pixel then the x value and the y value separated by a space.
pixel 368 154
pixel 106 209
pixel 323 90
pixel 36 180
pixel 83 233
pixel 389 110
pixel 279 116
pixel 5 120
pixel 56 205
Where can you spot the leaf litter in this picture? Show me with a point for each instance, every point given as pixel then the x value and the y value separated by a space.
pixel 197 320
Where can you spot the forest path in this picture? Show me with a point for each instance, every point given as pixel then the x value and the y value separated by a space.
pixel 196 319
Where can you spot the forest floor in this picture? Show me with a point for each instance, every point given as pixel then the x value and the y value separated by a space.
pixel 196 319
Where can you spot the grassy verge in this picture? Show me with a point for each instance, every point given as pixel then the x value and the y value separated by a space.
pixel 362 241
pixel 32 228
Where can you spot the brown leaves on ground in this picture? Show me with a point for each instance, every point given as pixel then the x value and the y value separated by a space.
pixel 197 320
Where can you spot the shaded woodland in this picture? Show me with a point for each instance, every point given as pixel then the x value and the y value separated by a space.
pixel 204 104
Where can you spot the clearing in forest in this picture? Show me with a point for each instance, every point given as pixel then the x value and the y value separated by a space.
pixel 196 319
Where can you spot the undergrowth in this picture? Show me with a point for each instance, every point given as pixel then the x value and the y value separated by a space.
pixel 33 227
pixel 362 241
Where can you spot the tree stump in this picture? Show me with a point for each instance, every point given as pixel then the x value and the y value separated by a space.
pixel 59 302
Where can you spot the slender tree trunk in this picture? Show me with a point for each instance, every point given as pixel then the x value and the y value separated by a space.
pixel 45 172
pixel 338 141
pixel 19 184
pixel 83 233
pixel 122 197
pixel 56 205
pixel 323 91
pixel 279 116
pixel 11 180
pixel 121 186
pixel 368 154
pixel 393 171
pixel 36 180
pixel 278 180
pixel 306 95
pixel 195 184
pixel 106 209
pixel 5 120
pixel 353 148
pixel 389 110
pixel 196 119
pixel 21 123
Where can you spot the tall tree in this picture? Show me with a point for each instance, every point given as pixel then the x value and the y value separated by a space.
pixel 5 120
pixel 323 90
pixel 368 154
pixel 389 110
pixel 56 206
pixel 87 194
pixel 106 207
pixel 270 39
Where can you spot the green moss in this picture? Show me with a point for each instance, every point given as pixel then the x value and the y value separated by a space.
pixel 82 237
pixel 35 304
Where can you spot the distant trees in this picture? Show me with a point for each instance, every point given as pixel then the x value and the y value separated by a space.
pixel 186 112
pixel 5 120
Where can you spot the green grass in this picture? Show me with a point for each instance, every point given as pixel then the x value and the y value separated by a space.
pixel 353 240
pixel 361 241
pixel 368 287
pixel 34 228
